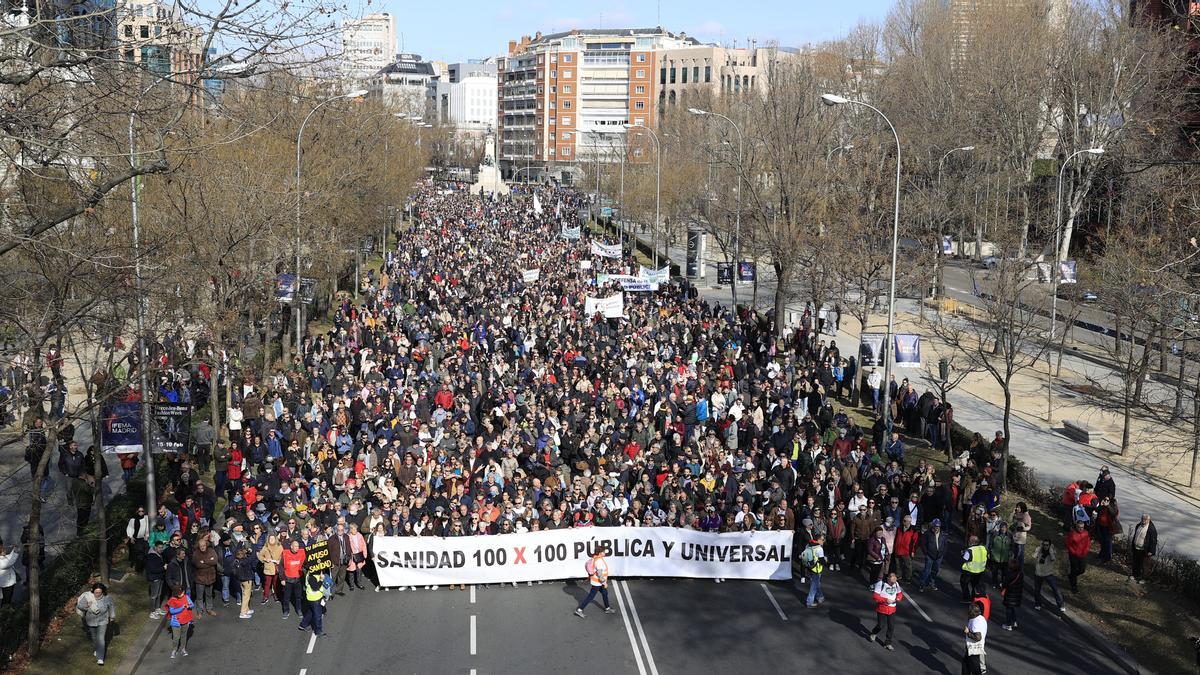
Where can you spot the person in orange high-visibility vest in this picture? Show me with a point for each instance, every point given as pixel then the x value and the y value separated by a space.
pixel 597 571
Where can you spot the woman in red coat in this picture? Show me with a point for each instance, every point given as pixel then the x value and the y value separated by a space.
pixel 1079 542
pixel 887 595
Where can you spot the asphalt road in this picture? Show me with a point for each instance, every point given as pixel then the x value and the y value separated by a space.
pixel 662 626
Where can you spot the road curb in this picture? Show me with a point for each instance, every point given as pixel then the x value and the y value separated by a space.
pixel 1098 640
pixel 141 646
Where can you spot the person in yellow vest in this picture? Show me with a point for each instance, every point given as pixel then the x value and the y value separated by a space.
pixel 314 603
pixel 597 571
pixel 974 562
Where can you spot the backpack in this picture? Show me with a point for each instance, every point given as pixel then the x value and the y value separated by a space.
pixel 809 557
pixel 590 567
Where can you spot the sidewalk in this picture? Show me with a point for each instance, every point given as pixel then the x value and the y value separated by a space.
pixel 1056 459
pixel 58 517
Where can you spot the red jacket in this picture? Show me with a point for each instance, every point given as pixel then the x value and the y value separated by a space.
pixel 1078 543
pixel 906 542
pixel 882 605
pixel 293 564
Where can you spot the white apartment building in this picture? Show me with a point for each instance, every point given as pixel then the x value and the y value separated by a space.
pixel 403 84
pixel 465 97
pixel 368 45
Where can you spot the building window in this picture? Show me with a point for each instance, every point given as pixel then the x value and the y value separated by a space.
pixel 554 58
pixel 641 58
pixel 567 89
pixel 695 73
pixel 566 135
pixel 551 104
pixel 551 135
pixel 640 74
pixel 144 32
pixel 554 74
pixel 567 58
pixel 708 73
pixel 672 75
pixel 566 152
pixel 566 104
pixel 639 89
pixel 566 74
pixel 637 152
pixel 128 31
pixel 551 121
pixel 684 74
pixel 662 75
pixel 640 105
pixel 551 152
pixel 567 120
pixel 639 121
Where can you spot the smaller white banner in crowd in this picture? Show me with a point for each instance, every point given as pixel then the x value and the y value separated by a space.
pixel 612 307
pixel 537 205
pixel 661 276
pixel 606 250
pixel 530 276
pixel 562 554
pixel 585 264
pixel 572 232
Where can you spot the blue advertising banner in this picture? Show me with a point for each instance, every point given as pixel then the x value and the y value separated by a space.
pixel 908 350
pixel 285 287
pixel 121 427
pixel 746 271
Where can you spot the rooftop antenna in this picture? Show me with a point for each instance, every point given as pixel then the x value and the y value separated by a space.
pixel 658 13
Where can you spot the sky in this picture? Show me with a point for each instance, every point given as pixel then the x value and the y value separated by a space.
pixel 467 29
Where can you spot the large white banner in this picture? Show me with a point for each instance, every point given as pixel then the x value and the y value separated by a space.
pixel 606 250
pixel 572 232
pixel 628 282
pixel 530 276
pixel 561 554
pixel 612 307
pixel 660 276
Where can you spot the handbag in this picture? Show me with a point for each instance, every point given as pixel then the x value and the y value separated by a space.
pixel 975 648
pixel 358 558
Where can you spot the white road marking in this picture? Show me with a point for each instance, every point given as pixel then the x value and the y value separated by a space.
pixel 774 602
pixel 472 594
pixel 472 635
pixel 914 604
pixel 472 671
pixel 304 671
pixel 637 655
pixel 637 622
pixel 312 642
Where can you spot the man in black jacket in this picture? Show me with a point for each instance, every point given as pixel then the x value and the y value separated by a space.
pixel 155 574
pixel 933 545
pixel 179 571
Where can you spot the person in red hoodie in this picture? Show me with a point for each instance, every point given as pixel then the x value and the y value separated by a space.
pixel 903 547
pixel 1079 542
pixel 887 595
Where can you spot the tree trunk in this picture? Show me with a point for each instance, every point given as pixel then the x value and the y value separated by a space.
pixel 1007 434
pixel 34 546
pixel 1195 430
pixel 98 472
pixel 781 283
pixel 1179 382
pixel 1127 414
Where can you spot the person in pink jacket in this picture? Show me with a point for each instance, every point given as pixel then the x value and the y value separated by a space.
pixel 358 557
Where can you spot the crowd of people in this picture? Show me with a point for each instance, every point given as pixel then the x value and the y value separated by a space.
pixel 455 398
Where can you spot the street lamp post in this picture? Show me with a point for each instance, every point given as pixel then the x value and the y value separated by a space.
pixel 833 99
pixel 358 93
pixel 1054 273
pixel 841 148
pixel 657 182
pixel 737 228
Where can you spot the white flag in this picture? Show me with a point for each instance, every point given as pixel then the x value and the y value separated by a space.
pixel 537 205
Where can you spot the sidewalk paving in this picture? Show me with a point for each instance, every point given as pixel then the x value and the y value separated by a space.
pixel 1056 459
